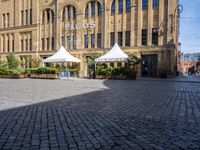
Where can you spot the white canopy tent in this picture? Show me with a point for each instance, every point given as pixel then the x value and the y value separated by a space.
pixel 62 56
pixel 114 55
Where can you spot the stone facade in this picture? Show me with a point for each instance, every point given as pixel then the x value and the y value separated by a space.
pixel 27 28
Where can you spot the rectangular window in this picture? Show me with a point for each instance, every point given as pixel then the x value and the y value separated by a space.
pixel 74 42
pixel 86 41
pixel 99 40
pixel 155 36
pixel 120 39
pixel 52 44
pixel 128 6
pixel 31 16
pixel 47 43
pixel 99 10
pixel 144 37
pixel 22 45
pixel 155 3
pixel 68 42
pixel 93 8
pixel 22 17
pixel 144 4
pixel 42 43
pixel 8 20
pixel 120 9
pixel 48 16
pixel 26 12
pixel 13 43
pixel 113 8
pixel 112 39
pixel 30 44
pixel 26 43
pixel 8 46
pixel 128 35
pixel 63 41
pixel 92 40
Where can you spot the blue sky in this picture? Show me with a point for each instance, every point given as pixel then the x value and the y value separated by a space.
pixel 190 26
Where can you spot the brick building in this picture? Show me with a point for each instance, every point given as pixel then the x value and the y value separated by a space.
pixel 148 29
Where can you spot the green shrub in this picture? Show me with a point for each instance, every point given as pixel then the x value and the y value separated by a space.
pixel 5 71
pixel 110 71
pixel 13 63
pixel 72 70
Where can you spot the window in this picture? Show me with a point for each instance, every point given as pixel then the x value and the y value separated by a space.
pixel 128 6
pixel 155 36
pixel 63 16
pixel 99 40
pixel 48 16
pixel 155 3
pixel 128 38
pixel 92 40
pixel 26 43
pixel 120 40
pixel 86 41
pixel 93 8
pixel 8 46
pixel 113 8
pixel 22 45
pixel 63 41
pixel 99 9
pixel 26 12
pixel 30 44
pixel 8 19
pixel 144 37
pixel 144 4
pixel 4 20
pixel 31 16
pixel 13 43
pixel 120 6
pixel 68 42
pixel 52 44
pixel 69 12
pixel 74 13
pixel 22 17
pixel 112 39
pixel 86 12
pixel 42 43
pixel 74 42
pixel 47 43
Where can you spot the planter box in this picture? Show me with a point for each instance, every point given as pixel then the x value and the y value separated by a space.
pixel 20 76
pixel 100 77
pixel 42 76
pixel 111 77
pixel 6 76
pixel 34 76
pixel 51 76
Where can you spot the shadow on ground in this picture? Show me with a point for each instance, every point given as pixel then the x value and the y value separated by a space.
pixel 127 115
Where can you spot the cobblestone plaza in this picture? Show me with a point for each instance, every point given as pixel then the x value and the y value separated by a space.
pixel 100 114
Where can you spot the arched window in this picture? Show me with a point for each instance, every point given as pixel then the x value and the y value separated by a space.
pixel 86 11
pixel 113 8
pixel 69 11
pixel 99 9
pixel 47 16
pixel 128 6
pixel 120 7
pixel 93 8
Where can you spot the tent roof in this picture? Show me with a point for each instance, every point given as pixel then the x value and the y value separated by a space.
pixel 62 56
pixel 114 55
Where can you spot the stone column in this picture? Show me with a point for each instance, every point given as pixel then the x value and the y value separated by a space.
pixel 150 22
pixel 132 40
pixel 139 25
pixel 1 44
pixel 161 23
pixel 124 22
pixel 96 21
pixel 104 25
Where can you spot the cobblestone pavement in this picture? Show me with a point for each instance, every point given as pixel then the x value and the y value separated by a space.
pixel 100 114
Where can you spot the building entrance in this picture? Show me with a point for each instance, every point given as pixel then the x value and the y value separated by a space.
pixel 149 66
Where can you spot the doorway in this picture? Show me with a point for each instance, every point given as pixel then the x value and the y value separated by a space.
pixel 149 65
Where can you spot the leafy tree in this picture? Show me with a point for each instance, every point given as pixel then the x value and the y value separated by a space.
pixel 132 62
pixel 36 62
pixel 13 62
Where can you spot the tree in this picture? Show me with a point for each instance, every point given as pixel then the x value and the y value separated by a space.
pixel 132 62
pixel 36 62
pixel 13 62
